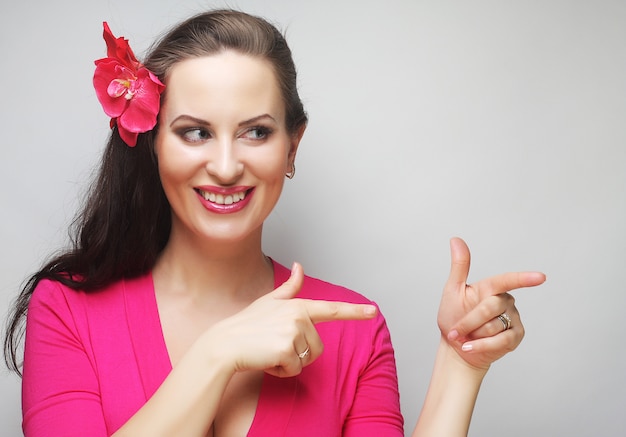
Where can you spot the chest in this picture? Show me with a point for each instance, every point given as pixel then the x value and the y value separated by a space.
pixel 239 406
pixel 314 403
pixel 240 399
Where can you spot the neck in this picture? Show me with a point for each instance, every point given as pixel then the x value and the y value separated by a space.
pixel 228 270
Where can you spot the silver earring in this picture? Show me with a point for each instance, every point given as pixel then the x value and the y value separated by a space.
pixel 292 172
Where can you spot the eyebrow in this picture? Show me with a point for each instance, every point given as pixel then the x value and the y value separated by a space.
pixel 257 119
pixel 206 123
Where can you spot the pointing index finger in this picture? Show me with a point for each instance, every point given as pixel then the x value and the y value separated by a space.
pixel 510 281
pixel 326 311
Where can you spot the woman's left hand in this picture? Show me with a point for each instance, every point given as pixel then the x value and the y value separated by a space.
pixel 469 314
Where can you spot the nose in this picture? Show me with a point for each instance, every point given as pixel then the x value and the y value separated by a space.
pixel 223 162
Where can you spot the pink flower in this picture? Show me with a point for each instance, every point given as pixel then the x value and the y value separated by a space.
pixel 128 92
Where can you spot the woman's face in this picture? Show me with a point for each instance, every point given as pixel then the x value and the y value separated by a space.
pixel 222 145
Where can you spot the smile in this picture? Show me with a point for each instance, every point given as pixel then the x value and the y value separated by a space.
pixel 223 199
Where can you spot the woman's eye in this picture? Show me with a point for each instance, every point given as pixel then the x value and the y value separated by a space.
pixel 257 133
pixel 195 135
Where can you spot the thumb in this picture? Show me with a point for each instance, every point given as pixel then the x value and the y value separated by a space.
pixel 291 287
pixel 460 262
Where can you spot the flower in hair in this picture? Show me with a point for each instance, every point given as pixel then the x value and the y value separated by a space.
pixel 129 93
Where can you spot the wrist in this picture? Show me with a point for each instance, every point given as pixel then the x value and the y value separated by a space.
pixel 452 392
pixel 455 355
pixel 213 351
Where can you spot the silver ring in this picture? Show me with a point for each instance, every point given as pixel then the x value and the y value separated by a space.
pixel 506 321
pixel 304 354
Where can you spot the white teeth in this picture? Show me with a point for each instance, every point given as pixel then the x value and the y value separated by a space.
pixel 220 199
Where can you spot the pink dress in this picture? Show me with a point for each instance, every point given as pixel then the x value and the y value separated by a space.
pixel 93 359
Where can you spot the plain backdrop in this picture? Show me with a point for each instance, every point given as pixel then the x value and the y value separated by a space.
pixel 502 122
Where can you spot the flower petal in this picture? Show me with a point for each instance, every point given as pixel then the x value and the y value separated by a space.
pixel 143 108
pixel 118 48
pixel 106 73
pixel 116 88
pixel 130 138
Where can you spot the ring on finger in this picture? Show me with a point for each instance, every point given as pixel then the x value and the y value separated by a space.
pixel 506 321
pixel 304 354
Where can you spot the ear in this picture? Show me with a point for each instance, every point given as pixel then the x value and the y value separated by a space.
pixel 295 142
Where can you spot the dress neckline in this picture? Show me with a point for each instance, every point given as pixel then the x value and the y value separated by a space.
pixel 277 395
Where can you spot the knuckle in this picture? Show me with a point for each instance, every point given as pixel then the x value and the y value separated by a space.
pixel 284 353
pixel 334 309
pixel 494 327
pixel 495 304
pixel 487 309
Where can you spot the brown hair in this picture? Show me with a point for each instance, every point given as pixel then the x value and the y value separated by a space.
pixel 126 219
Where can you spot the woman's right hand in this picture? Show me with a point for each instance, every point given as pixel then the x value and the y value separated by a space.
pixel 274 332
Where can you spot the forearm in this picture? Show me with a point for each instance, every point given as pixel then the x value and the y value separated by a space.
pixel 451 396
pixel 187 401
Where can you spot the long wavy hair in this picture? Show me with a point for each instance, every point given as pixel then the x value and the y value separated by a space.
pixel 126 219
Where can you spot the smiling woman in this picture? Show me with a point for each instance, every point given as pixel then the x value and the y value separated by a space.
pixel 223 133
pixel 167 318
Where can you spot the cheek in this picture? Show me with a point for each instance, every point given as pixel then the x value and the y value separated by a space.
pixel 176 165
pixel 271 167
pixel 270 163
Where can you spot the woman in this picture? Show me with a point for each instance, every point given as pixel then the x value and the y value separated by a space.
pixel 166 318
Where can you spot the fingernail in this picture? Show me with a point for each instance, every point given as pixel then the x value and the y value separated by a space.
pixel 467 347
pixel 369 310
pixel 453 335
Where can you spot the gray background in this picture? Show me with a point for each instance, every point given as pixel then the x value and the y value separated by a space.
pixel 502 122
